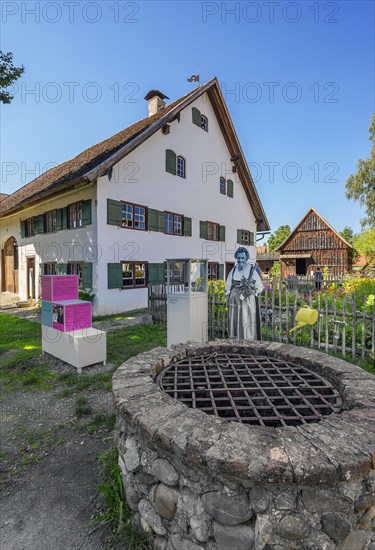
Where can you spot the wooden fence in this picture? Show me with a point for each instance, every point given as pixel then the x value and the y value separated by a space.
pixel 301 283
pixel 342 326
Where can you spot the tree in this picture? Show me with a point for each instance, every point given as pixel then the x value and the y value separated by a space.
pixel 278 237
pixel 361 186
pixel 364 243
pixel 348 234
pixel 275 270
pixel 8 74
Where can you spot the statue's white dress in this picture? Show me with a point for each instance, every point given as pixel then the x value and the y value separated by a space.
pixel 243 311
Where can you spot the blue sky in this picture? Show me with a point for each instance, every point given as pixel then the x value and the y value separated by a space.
pixel 298 79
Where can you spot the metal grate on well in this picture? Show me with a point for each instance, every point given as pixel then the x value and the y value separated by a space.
pixel 256 390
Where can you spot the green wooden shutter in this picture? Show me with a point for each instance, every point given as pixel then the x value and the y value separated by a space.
pixel 86 212
pixel 87 275
pixel 61 269
pixel 114 275
pixel 156 273
pixel 58 219
pixel 222 233
pixel 170 161
pixel 23 229
pixel 239 236
pixel 203 230
pixel 196 116
pixel 251 239
pixel 221 271
pixel 187 227
pixel 61 218
pixel 39 224
pixel 114 212
pixel 156 220
pixel 41 269
pixel 230 188
pixel 64 218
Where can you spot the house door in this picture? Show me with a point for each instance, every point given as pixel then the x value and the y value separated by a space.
pixel 10 266
pixel 30 268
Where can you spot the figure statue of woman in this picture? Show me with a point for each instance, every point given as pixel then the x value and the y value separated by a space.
pixel 243 287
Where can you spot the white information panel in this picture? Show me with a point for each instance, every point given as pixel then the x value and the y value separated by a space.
pixel 187 303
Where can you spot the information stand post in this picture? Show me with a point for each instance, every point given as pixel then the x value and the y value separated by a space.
pixel 187 302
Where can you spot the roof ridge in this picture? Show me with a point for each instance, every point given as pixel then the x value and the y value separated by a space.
pixel 311 209
pixel 101 150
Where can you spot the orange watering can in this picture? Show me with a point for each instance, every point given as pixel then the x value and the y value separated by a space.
pixel 305 316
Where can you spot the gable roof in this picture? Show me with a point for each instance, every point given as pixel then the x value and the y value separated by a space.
pixel 300 223
pixel 96 160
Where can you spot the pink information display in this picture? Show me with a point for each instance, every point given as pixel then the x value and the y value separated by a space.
pixel 56 288
pixel 71 315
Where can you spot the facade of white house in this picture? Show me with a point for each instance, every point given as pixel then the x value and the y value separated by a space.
pixel 174 195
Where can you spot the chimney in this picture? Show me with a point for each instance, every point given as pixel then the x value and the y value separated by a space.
pixel 155 100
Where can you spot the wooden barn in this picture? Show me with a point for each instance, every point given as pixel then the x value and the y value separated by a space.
pixel 266 259
pixel 314 243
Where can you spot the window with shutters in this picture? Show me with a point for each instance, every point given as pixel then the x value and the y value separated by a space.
pixel 29 227
pixel 213 271
pixel 75 268
pixel 49 268
pixel 213 231
pixel 246 237
pixel 134 216
pixel 181 166
pixel 75 215
pixel 222 186
pixel 199 119
pixel 50 221
pixel 204 123
pixel 173 224
pixel 134 274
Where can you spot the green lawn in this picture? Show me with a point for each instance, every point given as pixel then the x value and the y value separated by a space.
pixel 23 367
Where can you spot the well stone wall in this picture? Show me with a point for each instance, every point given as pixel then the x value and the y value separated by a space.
pixel 197 482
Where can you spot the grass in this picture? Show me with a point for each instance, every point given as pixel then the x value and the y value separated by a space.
pixel 117 513
pixel 33 447
pixel 120 316
pixel 129 341
pixel 77 382
pixel 21 343
pixel 367 364
pixel 82 407
pixel 102 421
pixel 22 369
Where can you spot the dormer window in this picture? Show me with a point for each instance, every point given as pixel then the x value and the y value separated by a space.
pixel 181 167
pixel 204 123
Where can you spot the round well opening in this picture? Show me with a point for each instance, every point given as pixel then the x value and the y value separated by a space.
pixel 251 389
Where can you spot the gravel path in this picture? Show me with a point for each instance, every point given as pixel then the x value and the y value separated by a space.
pixel 49 495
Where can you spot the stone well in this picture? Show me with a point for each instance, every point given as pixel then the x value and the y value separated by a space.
pixel 198 481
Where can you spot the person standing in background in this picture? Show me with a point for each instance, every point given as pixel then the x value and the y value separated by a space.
pixel 318 277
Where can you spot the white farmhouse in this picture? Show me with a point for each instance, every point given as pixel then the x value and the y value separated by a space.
pixel 175 184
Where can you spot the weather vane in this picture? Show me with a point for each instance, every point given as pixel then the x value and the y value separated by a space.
pixel 194 78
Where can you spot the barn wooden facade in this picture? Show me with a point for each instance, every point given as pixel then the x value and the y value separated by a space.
pixel 266 259
pixel 314 243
